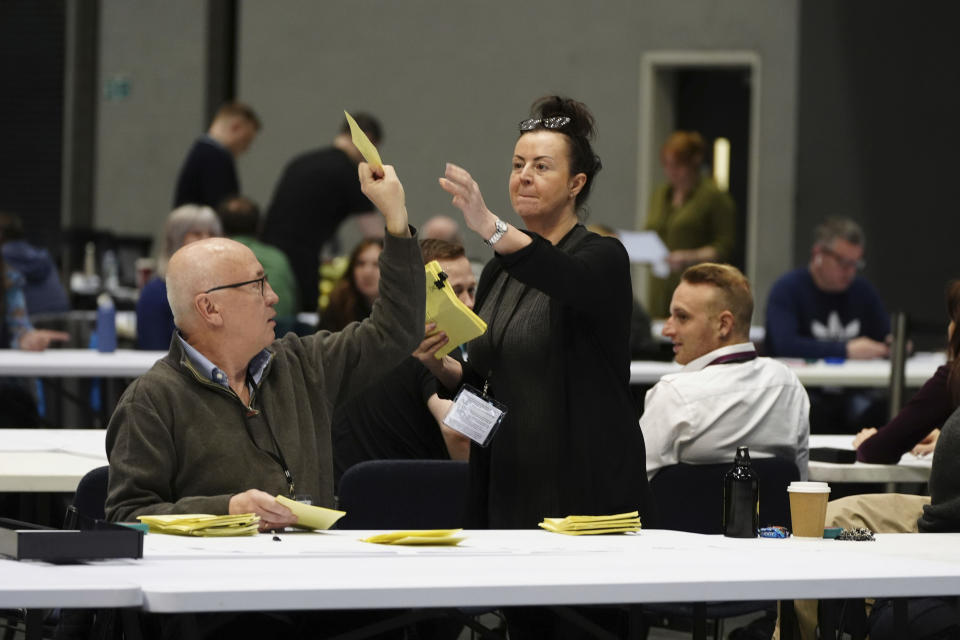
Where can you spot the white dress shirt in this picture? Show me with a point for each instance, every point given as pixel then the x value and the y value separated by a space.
pixel 701 414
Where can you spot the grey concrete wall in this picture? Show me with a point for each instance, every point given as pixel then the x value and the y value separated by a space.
pixel 142 139
pixel 450 81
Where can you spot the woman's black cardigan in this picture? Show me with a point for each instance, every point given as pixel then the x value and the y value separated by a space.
pixel 601 449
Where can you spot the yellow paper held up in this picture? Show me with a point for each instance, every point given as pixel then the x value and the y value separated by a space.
pixel 453 317
pixel 432 537
pixel 309 516
pixel 363 144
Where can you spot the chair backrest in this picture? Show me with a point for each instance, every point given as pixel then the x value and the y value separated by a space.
pixel 89 500
pixel 690 497
pixel 404 494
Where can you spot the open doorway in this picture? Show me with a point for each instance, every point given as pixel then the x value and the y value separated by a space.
pixel 716 94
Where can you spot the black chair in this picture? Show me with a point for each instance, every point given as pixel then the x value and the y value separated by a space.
pixel 89 500
pixel 404 494
pixel 690 498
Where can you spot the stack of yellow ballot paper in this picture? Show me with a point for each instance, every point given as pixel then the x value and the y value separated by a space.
pixel 203 524
pixel 592 525
pixel 438 537
pixel 452 316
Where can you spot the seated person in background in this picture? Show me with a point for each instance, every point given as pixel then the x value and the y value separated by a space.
pixel 441 228
pixel 917 426
pixel 185 224
pixel 43 290
pixel 240 217
pixel 17 406
pixel 399 416
pixel 931 617
pixel 231 416
pixel 825 310
pixel 352 298
pixel 942 515
pixel 725 396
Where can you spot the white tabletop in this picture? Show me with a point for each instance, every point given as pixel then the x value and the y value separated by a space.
pixel 494 568
pixel 47 586
pixel 34 460
pixel 850 373
pixel 77 363
pixel 911 468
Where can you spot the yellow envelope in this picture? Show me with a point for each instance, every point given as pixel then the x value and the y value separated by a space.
pixel 618 516
pixel 309 516
pixel 363 144
pixel 557 523
pixel 417 537
pixel 588 532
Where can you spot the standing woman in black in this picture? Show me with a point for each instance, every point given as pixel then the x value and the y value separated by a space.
pixel 557 301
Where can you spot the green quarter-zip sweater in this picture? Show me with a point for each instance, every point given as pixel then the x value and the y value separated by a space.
pixel 178 443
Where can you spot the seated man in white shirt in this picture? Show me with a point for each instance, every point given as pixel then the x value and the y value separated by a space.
pixel 725 396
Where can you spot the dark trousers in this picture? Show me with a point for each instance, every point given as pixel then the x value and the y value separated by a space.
pixel 927 619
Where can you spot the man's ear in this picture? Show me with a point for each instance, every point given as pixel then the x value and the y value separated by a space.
pixel 207 310
pixel 725 324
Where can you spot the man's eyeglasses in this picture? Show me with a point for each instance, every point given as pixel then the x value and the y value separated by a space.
pixel 845 263
pixel 553 122
pixel 261 281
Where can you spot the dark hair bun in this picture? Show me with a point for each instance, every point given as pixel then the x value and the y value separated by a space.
pixel 581 124
pixel 581 130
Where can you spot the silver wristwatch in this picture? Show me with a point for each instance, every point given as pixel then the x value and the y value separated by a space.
pixel 501 229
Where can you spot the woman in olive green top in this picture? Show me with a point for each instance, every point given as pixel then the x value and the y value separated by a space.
pixel 695 220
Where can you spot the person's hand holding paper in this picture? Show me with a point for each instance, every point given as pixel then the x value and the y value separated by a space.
pixel 273 515
pixel 364 146
pixel 379 182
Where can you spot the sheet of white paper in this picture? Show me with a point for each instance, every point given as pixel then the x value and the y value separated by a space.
pixel 646 247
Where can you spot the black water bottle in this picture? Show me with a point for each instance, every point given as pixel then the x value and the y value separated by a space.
pixel 741 498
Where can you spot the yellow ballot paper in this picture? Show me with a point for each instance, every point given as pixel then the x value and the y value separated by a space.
pixel 310 517
pixel 432 537
pixel 203 524
pixel 593 525
pixel 452 316
pixel 363 144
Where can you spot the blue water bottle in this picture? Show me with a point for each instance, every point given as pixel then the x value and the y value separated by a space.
pixel 106 324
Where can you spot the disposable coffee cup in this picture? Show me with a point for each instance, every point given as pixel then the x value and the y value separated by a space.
pixel 808 508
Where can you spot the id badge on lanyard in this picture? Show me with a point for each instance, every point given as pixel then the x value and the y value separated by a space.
pixel 475 415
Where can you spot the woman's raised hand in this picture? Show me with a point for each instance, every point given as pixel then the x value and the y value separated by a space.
pixel 458 182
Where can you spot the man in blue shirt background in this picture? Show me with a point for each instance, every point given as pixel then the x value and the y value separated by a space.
pixel 827 310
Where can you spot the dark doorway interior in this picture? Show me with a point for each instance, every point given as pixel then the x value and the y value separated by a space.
pixel 716 102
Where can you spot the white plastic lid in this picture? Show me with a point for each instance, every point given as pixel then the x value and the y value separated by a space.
pixel 809 487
